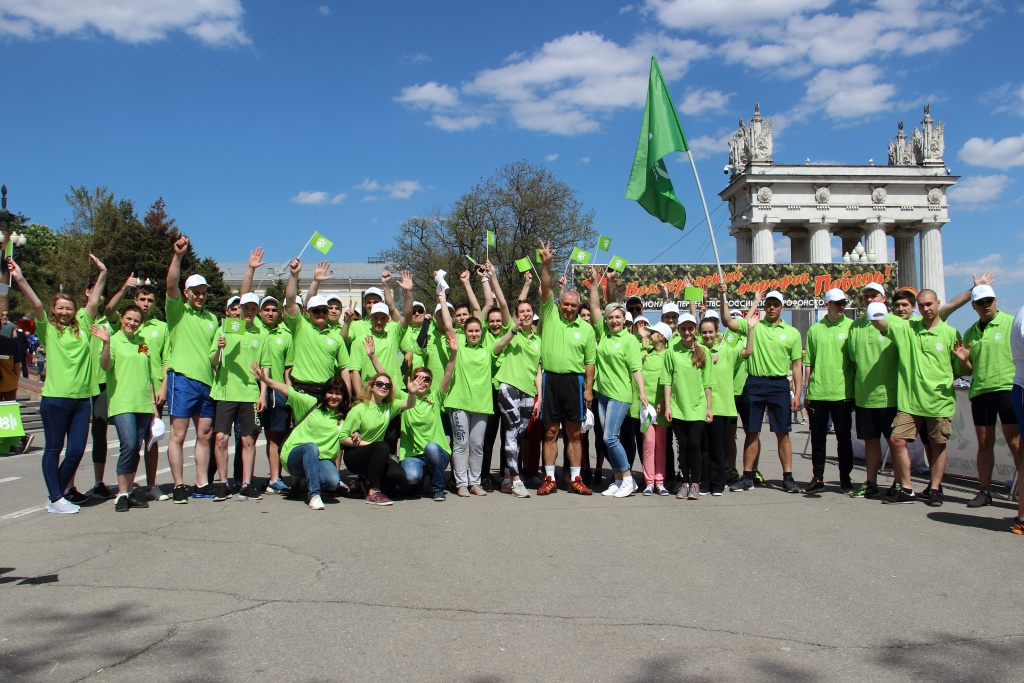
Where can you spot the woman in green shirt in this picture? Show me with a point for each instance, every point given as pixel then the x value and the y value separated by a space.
pixel 71 382
pixel 125 359
pixel 310 450
pixel 659 393
pixel 691 405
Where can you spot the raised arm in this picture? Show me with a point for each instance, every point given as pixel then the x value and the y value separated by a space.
pixel 319 275
pixel 596 312
pixel 291 288
pixel 749 348
pixel 449 368
pixel 38 312
pixel 727 318
pixel 174 270
pixel 92 304
pixel 545 271
pixel 263 375
pixel 111 310
pixel 446 315
pixel 474 305
pixel 255 261
pixel 370 348
pixel 499 296
pixel 406 284
pixel 524 293
pixel 103 335
pixel 410 387
pixel 949 308
pixel 485 284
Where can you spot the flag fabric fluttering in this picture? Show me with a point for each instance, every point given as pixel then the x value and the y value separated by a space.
pixel 490 238
pixel 320 243
pixel 233 326
pixel 580 256
pixel 618 264
pixel 604 243
pixel 660 135
pixel 523 264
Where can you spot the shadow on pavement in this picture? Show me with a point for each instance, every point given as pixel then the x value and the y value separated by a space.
pixel 961 519
pixel 987 660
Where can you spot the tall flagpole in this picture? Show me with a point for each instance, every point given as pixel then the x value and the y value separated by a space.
pixel 707 215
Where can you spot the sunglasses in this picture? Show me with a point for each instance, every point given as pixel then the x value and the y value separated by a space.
pixel 987 301
pixel 319 310
pixel 425 379
pixel 382 385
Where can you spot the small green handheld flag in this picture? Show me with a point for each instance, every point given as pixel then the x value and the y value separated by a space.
pixel 490 238
pixel 537 256
pixel 320 243
pixel 580 256
pixel 693 294
pixel 605 243
pixel 618 264
pixel 524 264
pixel 233 326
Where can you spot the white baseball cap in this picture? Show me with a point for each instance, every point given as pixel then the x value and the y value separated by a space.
pixel 374 290
pixel 712 313
pixel 877 311
pixel 438 307
pixel 874 287
pixel 250 298
pixel 317 301
pixel 268 299
pixel 298 300
pixel 231 302
pixel 634 298
pixel 835 294
pixel 195 281
pixel 380 307
pixel 641 319
pixel 670 308
pixel 774 294
pixel 629 317
pixel 661 328
pixel 736 314
pixel 686 318
pixel 334 297
pixel 982 292
pixel 420 304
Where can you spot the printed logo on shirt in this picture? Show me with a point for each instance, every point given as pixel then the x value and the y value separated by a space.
pixel 841 335
pixel 939 347
pixel 881 338
pixel 577 335
pixel 209 324
pixel 997 336
pixel 618 345
pixel 155 334
pixel 280 341
pixel 330 342
pixel 255 344
pixel 782 336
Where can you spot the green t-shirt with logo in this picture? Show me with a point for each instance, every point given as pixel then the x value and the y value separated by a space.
pixel 737 341
pixel 471 380
pixel 318 426
pixel 828 353
pixel 689 402
pixel 234 380
pixel 566 347
pixel 927 367
pixel 654 386
pixel 153 332
pixel 519 362
pixel 316 354
pixel 371 419
pixel 618 357
pixel 96 347
pixel 70 368
pixel 386 346
pixel 279 342
pixel 877 361
pixel 190 333
pixel 991 357
pixel 776 345
pixel 723 359
pixel 129 382
pixel 422 424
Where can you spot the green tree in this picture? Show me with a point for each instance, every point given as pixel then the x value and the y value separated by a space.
pixel 276 290
pixel 521 204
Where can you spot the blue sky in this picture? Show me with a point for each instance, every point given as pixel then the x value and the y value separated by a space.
pixel 259 122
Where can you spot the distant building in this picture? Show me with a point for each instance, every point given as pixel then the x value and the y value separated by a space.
pixel 348 280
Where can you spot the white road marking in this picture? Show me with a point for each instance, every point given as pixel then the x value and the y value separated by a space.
pixel 7 479
pixel 26 511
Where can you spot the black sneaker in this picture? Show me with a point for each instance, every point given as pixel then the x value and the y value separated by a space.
pixel 204 491
pixel 122 504
pixel 846 487
pixel 789 485
pixel 983 498
pixel 487 483
pixel 75 496
pixel 247 492
pixel 101 491
pixel 743 484
pixel 815 484
pixel 137 499
pixel 935 498
pixel 221 493
pixel 897 494
pixel 181 494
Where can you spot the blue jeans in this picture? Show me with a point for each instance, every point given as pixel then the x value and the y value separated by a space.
pixel 304 462
pixel 434 460
pixel 64 419
pixel 132 429
pixel 613 414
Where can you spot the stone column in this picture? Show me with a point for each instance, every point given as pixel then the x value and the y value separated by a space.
pixel 762 245
pixel 799 247
pixel 876 243
pixel 743 246
pixel 820 247
pixel 906 259
pixel 932 272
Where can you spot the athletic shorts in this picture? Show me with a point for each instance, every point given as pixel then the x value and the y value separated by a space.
pixel 874 423
pixel 907 426
pixel 99 405
pixel 771 394
pixel 275 417
pixel 229 411
pixel 742 407
pixel 187 397
pixel 986 407
pixel 563 397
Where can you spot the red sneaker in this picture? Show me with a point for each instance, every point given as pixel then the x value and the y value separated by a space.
pixel 378 498
pixel 577 486
pixel 549 486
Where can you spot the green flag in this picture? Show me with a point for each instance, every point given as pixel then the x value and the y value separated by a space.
pixel 536 255
pixel 10 420
pixel 490 238
pixel 524 264
pixel 660 135
pixel 233 326
pixel 580 256
pixel 320 243
pixel 605 243
pixel 693 294
pixel 618 264
pixel 471 260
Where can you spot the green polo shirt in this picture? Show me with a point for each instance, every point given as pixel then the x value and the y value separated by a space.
pixel 190 333
pixel 990 355
pixel 723 359
pixel 279 342
pixel 371 419
pixel 154 333
pixel 318 426
pixel 422 424
pixel 234 380
pixel 776 346
pixel 877 361
pixel 618 357
pixel 490 340
pixel 828 354
pixel 96 347
pixel 471 380
pixel 387 348
pixel 737 341
pixel 519 361
pixel 70 370
pixel 689 402
pixel 316 354
pixel 129 382
pixel 654 386
pixel 927 367
pixel 566 347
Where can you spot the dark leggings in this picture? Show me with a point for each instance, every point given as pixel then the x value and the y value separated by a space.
pixel 631 438
pixel 99 426
pixel 370 461
pixel 688 433
pixel 493 432
pixel 716 436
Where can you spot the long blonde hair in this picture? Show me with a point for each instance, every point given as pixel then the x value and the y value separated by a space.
pixel 73 325
pixel 366 395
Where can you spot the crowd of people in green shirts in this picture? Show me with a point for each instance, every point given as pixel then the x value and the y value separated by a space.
pixel 397 396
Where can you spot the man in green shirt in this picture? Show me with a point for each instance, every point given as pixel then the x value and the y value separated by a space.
pixel 318 352
pixel 387 335
pixel 991 364
pixel 568 354
pixel 777 353
pixel 925 400
pixel 190 330
pixel 828 376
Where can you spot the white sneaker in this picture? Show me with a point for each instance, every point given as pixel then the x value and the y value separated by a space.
pixel 62 507
pixel 519 490
pixel 627 489
pixel 154 493
pixel 612 489
pixel 649 491
pixel 315 503
pixel 662 491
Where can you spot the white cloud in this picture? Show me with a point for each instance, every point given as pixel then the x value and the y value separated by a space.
pixel 1008 98
pixel 1010 273
pixel 702 101
pixel 400 189
pixel 706 146
pixel 429 95
pixel 585 160
pixel 213 22
pixel 626 9
pixel 1004 154
pixel 849 94
pixel 551 157
pixel 974 191
pixel 324 10
pixel 318 197
pixel 454 123
pixel 726 15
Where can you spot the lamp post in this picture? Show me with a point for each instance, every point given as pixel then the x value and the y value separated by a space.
pixel 270 273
